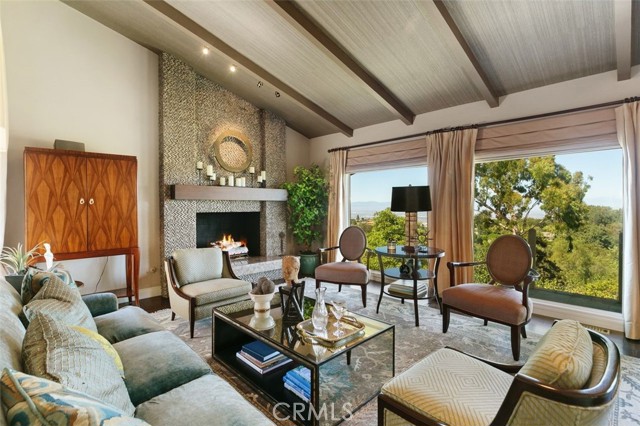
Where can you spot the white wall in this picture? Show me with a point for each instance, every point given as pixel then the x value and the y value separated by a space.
pixel 72 78
pixel 584 91
pixel 297 151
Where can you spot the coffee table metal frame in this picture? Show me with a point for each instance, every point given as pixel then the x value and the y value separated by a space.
pixel 231 330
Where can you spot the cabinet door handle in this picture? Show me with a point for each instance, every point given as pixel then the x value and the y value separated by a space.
pixel 81 201
pixel 91 201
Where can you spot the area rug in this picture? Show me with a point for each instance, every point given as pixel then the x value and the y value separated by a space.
pixel 412 344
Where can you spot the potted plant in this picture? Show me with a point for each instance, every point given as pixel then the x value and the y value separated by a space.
pixel 307 205
pixel 16 261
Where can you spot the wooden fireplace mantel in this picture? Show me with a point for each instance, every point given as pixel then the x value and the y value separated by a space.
pixel 202 192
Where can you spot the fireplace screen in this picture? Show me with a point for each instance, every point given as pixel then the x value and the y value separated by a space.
pixel 236 232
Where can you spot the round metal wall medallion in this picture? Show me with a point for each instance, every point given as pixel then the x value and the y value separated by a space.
pixel 233 151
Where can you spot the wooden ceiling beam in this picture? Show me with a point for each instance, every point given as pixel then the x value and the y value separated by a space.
pixel 436 10
pixel 299 20
pixel 623 17
pixel 211 40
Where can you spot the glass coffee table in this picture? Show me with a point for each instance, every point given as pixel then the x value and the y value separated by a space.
pixel 344 376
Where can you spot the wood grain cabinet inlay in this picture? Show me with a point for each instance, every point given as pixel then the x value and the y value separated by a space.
pixel 84 204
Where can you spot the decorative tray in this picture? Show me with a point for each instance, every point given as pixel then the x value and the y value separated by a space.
pixel 352 330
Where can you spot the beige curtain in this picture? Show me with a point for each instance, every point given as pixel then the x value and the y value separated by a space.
pixel 4 142
pixel 450 163
pixel 628 125
pixel 338 218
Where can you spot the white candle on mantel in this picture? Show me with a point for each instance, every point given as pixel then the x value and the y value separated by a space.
pixel 263 174
pixel 209 170
pixel 244 181
pixel 252 170
pixel 231 180
pixel 259 178
pixel 223 181
pixel 239 182
pixel 213 176
pixel 199 165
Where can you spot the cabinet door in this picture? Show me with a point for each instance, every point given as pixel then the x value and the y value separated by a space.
pixel 112 192
pixel 55 207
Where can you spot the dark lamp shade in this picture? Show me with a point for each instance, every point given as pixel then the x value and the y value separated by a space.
pixel 410 199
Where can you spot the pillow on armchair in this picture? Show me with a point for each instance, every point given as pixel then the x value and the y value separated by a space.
pixel 563 357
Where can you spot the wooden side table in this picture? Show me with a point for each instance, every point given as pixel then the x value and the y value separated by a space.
pixel 414 273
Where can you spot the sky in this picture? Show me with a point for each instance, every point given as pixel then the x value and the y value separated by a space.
pixel 604 166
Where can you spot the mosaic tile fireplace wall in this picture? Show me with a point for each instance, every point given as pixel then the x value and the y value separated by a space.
pixel 193 112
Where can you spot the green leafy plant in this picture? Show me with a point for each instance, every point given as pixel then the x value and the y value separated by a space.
pixel 307 205
pixel 16 260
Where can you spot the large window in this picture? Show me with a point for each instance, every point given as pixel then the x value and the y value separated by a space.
pixel 569 208
pixel 371 203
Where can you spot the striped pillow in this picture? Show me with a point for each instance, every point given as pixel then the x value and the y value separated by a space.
pixel 55 351
pixel 563 358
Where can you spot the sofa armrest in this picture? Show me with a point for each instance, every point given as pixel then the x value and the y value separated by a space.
pixel 101 303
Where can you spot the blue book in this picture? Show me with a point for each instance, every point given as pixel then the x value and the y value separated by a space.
pixel 306 386
pixel 302 373
pixel 305 395
pixel 260 351
pixel 297 392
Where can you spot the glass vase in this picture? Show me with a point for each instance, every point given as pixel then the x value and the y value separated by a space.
pixel 320 315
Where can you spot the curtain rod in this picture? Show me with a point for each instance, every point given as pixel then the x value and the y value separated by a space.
pixel 491 123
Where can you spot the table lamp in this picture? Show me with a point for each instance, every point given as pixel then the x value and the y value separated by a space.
pixel 410 199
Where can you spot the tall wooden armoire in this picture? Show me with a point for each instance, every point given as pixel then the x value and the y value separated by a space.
pixel 85 205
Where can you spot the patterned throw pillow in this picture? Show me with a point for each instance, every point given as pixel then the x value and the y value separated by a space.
pixel 57 352
pixel 62 302
pixel 563 357
pixel 33 400
pixel 110 350
pixel 35 278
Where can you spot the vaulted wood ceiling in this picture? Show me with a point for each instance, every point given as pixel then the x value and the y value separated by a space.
pixel 340 65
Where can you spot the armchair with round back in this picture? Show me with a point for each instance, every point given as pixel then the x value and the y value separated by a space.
pixel 350 271
pixel 505 299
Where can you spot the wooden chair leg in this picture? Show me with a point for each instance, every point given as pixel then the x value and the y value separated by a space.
pixel 318 283
pixel 192 323
pixel 339 288
pixel 445 318
pixel 364 296
pixel 515 342
pixel 523 332
pixel 486 322
pixel 173 315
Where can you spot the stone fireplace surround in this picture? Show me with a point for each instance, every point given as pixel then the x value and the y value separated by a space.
pixel 193 111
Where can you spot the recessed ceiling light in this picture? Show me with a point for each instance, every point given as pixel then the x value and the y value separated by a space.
pixel 277 94
pixel 205 50
pixel 259 84
pixel 233 68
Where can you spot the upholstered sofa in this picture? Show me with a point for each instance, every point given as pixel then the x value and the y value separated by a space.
pixel 166 382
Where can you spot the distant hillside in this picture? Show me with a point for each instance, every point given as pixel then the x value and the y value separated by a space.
pixel 367 208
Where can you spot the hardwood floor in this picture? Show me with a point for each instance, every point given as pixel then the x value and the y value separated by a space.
pixel 538 325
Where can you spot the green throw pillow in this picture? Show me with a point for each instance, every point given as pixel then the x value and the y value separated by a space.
pixel 62 302
pixel 30 400
pixel 55 351
pixel 35 278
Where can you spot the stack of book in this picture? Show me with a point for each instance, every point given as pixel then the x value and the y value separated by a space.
pixel 404 290
pixel 262 357
pixel 298 381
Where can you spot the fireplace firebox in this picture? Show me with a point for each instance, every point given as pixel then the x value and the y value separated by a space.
pixel 241 226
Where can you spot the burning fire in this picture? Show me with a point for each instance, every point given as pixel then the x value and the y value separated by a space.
pixel 229 244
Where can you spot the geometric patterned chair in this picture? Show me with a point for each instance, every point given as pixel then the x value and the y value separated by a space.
pixel 505 299
pixel 200 279
pixel 571 378
pixel 350 271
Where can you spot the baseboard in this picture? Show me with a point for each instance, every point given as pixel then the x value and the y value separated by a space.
pixel 587 316
pixel 145 293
